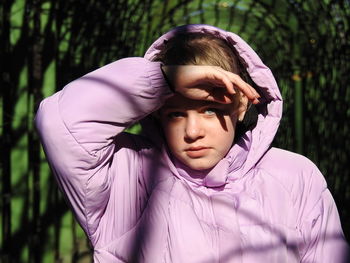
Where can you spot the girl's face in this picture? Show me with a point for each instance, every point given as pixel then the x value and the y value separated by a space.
pixel 198 133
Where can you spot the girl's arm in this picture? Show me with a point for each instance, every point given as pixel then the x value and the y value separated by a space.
pixel 78 125
pixel 324 240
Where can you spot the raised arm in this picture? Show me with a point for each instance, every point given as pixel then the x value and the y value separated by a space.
pixel 78 125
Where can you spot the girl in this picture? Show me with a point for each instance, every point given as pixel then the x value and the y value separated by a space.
pixel 201 182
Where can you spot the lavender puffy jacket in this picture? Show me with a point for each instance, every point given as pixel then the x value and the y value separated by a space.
pixel 259 204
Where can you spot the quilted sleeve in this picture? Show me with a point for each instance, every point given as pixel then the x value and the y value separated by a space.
pixel 323 237
pixel 78 127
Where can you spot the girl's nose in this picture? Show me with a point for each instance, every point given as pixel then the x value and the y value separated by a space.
pixel 193 129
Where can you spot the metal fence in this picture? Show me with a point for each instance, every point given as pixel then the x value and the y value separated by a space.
pixel 45 44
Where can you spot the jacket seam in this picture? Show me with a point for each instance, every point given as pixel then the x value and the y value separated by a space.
pixel 276 178
pixel 88 230
pixel 168 212
pixel 66 126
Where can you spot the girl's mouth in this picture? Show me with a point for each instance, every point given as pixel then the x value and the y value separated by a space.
pixel 197 152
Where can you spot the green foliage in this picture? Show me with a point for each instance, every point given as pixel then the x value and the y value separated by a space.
pixel 46 44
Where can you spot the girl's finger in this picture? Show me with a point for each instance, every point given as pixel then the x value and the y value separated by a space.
pixel 248 90
pixel 220 98
pixel 241 85
pixel 220 77
pixel 239 82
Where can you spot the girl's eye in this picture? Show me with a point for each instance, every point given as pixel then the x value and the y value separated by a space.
pixel 210 111
pixel 175 114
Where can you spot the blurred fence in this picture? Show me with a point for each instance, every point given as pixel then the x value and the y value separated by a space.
pixel 45 44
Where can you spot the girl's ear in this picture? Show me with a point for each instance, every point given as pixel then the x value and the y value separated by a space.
pixel 247 118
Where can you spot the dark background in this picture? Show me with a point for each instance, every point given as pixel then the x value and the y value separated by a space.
pixel 46 44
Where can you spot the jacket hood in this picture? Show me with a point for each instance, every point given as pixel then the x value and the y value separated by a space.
pixel 249 149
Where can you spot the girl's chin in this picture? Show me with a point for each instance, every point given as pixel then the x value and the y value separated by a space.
pixel 199 165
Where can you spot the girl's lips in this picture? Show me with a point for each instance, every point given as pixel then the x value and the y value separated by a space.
pixel 197 152
pixel 196 148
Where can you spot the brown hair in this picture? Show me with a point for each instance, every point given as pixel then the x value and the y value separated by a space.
pixel 200 49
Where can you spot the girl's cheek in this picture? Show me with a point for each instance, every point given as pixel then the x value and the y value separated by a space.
pixel 169 130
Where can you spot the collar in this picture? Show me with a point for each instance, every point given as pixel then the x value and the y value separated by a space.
pixel 229 168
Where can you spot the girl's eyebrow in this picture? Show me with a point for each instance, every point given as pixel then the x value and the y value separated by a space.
pixel 215 105
pixel 170 107
pixel 200 105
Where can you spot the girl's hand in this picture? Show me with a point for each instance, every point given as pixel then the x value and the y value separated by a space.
pixel 208 83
